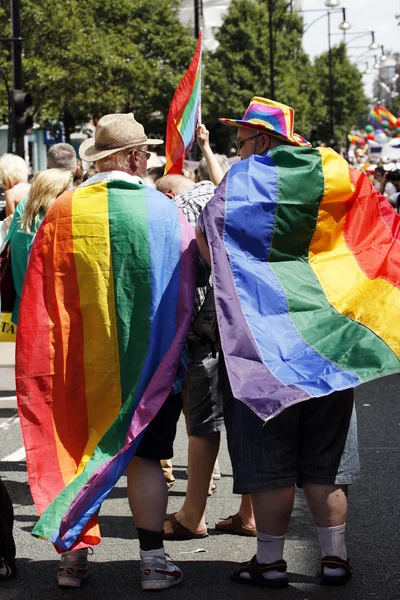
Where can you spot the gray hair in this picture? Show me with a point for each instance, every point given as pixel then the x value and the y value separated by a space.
pixel 62 156
pixel 204 175
pixel 119 161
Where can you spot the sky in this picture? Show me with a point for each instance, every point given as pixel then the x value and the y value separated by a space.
pixel 363 16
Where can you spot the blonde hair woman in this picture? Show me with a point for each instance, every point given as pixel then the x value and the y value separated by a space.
pixel 46 187
pixel 14 177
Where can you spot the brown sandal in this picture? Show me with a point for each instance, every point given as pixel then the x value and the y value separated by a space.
pixel 255 572
pixel 236 527
pixel 180 532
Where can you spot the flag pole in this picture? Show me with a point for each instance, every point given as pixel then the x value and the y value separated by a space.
pixel 199 116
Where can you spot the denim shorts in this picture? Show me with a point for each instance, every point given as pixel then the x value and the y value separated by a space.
pixel 204 401
pixel 314 441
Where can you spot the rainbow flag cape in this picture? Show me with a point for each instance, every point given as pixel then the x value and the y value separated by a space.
pixel 104 315
pixel 380 115
pixel 306 270
pixel 183 115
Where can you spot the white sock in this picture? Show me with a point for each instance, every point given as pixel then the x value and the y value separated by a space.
pixel 332 542
pixel 148 555
pixel 269 550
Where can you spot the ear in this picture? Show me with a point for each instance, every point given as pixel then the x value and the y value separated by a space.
pixel 133 162
pixel 266 142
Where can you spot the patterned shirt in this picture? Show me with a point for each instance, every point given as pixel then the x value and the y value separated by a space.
pixel 191 204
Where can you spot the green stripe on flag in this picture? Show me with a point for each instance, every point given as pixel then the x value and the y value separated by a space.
pixel 338 338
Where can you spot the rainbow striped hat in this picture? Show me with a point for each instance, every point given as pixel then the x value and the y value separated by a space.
pixel 270 117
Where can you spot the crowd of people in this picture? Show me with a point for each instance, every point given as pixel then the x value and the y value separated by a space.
pixel 311 444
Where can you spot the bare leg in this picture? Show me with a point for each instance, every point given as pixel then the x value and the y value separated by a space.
pixel 272 510
pixel 245 513
pixel 328 504
pixel 203 451
pixel 147 493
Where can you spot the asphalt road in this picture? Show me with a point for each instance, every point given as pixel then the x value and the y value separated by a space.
pixel 373 528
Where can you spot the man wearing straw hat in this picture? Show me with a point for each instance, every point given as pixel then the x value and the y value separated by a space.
pixel 312 444
pixel 119 316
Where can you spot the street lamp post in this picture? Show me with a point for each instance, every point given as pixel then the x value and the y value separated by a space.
pixel 330 68
pixel 17 69
pixel 332 8
pixel 197 12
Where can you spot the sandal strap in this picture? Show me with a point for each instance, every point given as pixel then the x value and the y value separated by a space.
pixel 256 570
pixel 334 562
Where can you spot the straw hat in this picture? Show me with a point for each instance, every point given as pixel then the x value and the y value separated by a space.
pixel 269 117
pixel 113 133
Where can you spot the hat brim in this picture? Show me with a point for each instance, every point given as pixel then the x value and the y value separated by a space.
pixel 89 152
pixel 265 129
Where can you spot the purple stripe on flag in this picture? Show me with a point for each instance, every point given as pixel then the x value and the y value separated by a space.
pixel 251 381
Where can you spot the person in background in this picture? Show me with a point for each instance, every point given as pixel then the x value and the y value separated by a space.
pixel 170 185
pixel 62 156
pixel 390 183
pixel 46 187
pixel 379 174
pixel 204 410
pixel 78 177
pixel 155 173
pixel 8 567
pixel 14 177
pixel 89 173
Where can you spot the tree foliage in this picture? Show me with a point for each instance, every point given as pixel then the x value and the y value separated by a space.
pixel 348 100
pixel 85 59
pixel 240 68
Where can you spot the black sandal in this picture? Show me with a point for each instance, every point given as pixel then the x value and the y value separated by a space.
pixel 334 562
pixel 256 570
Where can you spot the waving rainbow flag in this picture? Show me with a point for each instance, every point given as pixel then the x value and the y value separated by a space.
pixel 105 310
pixel 306 269
pixel 380 115
pixel 183 115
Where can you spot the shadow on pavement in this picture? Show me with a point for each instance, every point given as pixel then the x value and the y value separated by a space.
pixel 121 580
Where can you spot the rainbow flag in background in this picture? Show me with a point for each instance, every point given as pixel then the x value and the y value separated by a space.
pixel 380 115
pixel 183 115
pixel 306 269
pixel 105 311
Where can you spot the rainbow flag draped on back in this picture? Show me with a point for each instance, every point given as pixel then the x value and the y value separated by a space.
pixel 306 270
pixel 104 315
pixel 380 116
pixel 183 115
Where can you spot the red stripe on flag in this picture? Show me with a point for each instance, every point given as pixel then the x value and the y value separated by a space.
pixel 174 146
pixel 374 244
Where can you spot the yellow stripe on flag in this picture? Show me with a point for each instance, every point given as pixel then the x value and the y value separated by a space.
pixel 90 224
pixel 374 303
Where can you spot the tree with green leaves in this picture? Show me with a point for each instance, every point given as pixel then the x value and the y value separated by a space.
pixel 349 100
pixel 84 59
pixel 240 66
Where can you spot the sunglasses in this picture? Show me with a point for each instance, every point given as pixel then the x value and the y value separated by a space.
pixel 148 154
pixel 240 143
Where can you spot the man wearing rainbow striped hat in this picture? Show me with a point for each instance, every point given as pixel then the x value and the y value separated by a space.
pixel 305 306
